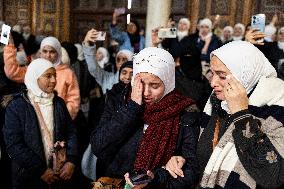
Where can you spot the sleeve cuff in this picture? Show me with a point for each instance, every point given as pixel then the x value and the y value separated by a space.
pixel 134 106
pixel 88 50
pixel 239 115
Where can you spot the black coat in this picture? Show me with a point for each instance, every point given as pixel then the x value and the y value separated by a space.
pixel 24 143
pixel 116 139
pixel 186 49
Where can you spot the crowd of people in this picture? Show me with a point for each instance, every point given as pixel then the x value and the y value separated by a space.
pixel 202 110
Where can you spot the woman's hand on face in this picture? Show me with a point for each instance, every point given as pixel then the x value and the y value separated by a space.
pixel 91 36
pixel 174 166
pixel 137 90
pixel 235 95
pixel 67 170
pixel 48 176
pixel 253 35
pixel 128 181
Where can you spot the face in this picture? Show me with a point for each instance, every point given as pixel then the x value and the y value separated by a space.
pixel 131 28
pixel 126 75
pixel 49 53
pixel 120 59
pixel 182 26
pixel 47 81
pixel 219 71
pixel 227 34
pixel 26 29
pixel 99 56
pixel 204 30
pixel 281 36
pixel 153 88
pixel 238 31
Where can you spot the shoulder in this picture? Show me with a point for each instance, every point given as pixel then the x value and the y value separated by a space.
pixel 58 100
pixel 190 115
pixel 15 101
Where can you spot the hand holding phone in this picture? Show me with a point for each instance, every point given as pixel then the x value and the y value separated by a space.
pixel 167 33
pixel 258 22
pixel 119 11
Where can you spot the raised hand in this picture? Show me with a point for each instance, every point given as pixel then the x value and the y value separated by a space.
pixel 137 90
pixel 235 95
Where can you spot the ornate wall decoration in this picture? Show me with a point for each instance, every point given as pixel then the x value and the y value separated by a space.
pixel 49 6
pixel 221 7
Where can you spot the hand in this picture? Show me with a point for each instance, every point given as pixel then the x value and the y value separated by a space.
pixel 48 176
pixel 67 171
pixel 91 36
pixel 274 20
pixel 174 166
pixel 171 23
pixel 137 90
pixel 235 95
pixel 155 39
pixel 253 35
pixel 11 40
pixel 127 179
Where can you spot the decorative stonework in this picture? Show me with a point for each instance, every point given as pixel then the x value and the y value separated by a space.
pixel 221 7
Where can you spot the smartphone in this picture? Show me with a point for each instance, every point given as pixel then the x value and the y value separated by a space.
pixel 258 22
pixel 119 11
pixel 139 177
pixel 5 34
pixel 101 36
pixel 167 33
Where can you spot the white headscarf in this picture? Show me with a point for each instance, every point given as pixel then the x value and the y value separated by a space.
pixel 269 31
pixel 80 52
pixel 238 38
pixel 105 58
pixel 281 44
pixel 158 62
pixel 245 62
pixel 65 59
pixel 227 28
pixel 206 22
pixel 35 69
pixel 53 42
pixel 127 53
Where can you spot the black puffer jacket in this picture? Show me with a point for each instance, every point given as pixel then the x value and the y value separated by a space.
pixel 117 137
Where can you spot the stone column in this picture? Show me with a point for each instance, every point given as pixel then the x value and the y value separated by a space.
pixel 158 12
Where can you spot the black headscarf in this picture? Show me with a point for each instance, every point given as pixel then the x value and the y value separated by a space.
pixel 120 86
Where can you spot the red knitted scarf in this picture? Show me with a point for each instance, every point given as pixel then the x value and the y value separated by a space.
pixel 160 139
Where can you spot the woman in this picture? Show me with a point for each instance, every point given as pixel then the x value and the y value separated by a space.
pixel 239 32
pixel 131 39
pixel 227 34
pixel 144 129
pixel 50 49
pixel 241 145
pixel 34 121
pixel 112 97
pixel 105 79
